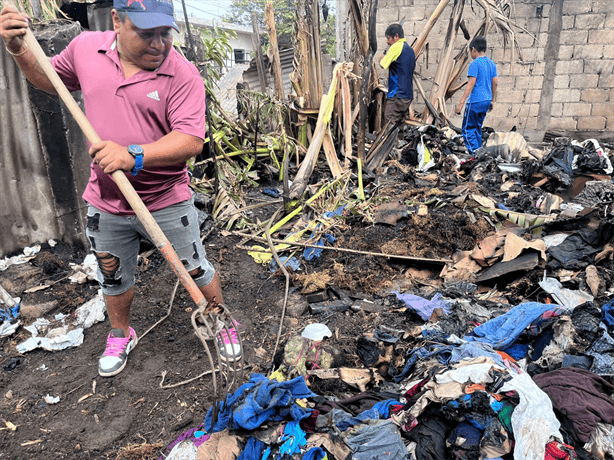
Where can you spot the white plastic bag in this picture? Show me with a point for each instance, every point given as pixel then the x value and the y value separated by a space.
pixel 425 156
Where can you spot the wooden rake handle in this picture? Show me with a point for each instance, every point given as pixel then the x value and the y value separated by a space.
pixel 152 227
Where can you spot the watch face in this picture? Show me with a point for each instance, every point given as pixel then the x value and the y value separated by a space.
pixel 135 149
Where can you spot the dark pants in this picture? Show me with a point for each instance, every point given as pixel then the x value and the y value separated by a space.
pixel 472 124
pixel 396 109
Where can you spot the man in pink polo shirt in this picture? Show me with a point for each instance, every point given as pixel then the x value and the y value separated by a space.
pixel 148 102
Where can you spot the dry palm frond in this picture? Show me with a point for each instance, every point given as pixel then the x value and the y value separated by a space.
pixel 225 208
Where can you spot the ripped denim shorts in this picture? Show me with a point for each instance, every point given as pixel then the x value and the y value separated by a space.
pixel 115 240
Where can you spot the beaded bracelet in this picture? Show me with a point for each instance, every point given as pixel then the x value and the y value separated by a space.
pixel 17 54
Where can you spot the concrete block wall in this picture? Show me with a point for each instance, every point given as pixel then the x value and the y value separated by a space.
pixel 562 80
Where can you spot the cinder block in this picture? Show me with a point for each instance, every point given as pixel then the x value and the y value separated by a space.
pixel 506 124
pixel 388 15
pixel 609 20
pixel 608 51
pixel 588 52
pixel 566 52
pixel 510 96
pixel 525 10
pixel 557 109
pixel 569 67
pixel 605 81
pixel 524 110
pixel 603 109
pixel 561 81
pixel 591 123
pixel 574 37
pixel 600 67
pixel 609 123
pixel 601 36
pixel 530 123
pixel 516 69
pixel 583 81
pixel 577 109
pixel 566 95
pixel 568 22
pixel 497 54
pixel 576 7
pixel 602 6
pixel 538 68
pixel 595 95
pixel 525 40
pixel 590 21
pixel 505 82
pixel 532 96
pixel 534 25
pixel 516 110
pixel 563 123
pixel 412 14
pixel 500 110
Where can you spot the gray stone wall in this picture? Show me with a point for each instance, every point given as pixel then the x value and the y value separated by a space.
pixel 563 79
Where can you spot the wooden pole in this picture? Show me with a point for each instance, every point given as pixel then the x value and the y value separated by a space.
pixel 37 9
pixel 258 51
pixel 274 50
pixel 418 46
pixel 192 49
pixel 440 85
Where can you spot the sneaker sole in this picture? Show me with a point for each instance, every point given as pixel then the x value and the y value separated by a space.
pixel 117 371
pixel 225 360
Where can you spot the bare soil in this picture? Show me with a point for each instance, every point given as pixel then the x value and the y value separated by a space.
pixel 129 416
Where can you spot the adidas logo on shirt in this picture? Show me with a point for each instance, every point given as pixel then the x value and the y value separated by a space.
pixel 154 95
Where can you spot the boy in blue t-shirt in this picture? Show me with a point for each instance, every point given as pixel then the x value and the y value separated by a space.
pixel 480 94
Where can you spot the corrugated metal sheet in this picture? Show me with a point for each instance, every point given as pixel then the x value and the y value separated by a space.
pixel 227 88
pixel 99 16
pixel 286 56
pixel 43 161
pixel 27 214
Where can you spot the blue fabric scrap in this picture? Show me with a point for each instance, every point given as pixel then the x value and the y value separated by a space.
pixel 258 401
pixel 253 449
pixel 502 331
pixel 380 410
pixel 607 314
pixel 475 350
pixel 292 440
pixel 271 192
pixel 312 253
pixel 442 352
pixel 517 350
pixel 9 314
pixel 315 453
pixel 290 262
pixel 423 306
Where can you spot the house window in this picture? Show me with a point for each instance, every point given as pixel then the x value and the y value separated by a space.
pixel 241 56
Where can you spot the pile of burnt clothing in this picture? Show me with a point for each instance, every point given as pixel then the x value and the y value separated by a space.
pixel 569 158
pixel 432 142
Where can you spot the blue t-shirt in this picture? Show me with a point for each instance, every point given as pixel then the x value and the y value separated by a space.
pixel 484 70
pixel 400 83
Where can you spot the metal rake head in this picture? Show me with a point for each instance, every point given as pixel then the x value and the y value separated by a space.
pixel 225 371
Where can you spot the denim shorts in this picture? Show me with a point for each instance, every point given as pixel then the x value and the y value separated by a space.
pixel 120 236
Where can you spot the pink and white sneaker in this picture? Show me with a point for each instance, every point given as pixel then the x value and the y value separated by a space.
pixel 230 349
pixel 115 357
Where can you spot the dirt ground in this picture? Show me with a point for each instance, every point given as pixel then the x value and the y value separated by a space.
pixel 129 416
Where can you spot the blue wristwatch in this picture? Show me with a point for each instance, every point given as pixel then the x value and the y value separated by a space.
pixel 137 152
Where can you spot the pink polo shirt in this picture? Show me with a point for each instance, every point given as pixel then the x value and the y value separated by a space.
pixel 138 110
